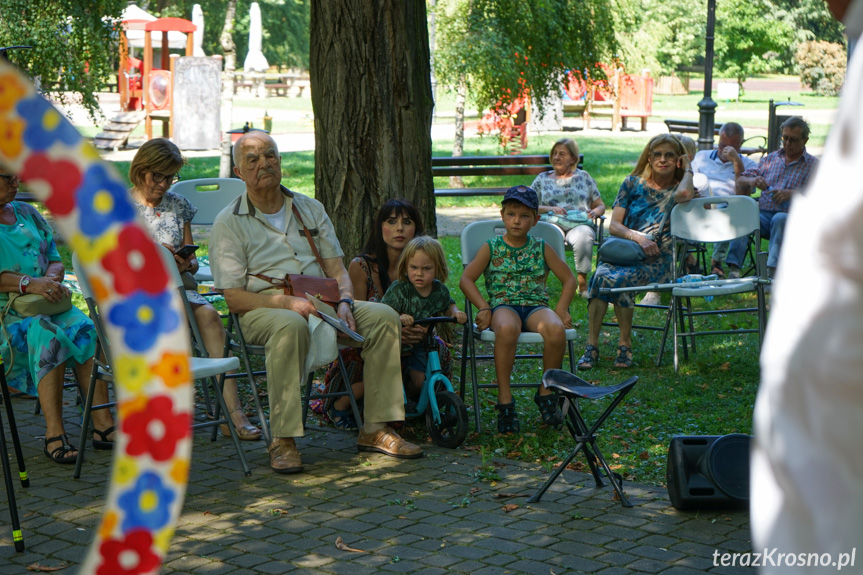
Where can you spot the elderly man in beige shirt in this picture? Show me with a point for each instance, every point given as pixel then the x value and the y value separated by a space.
pixel 259 235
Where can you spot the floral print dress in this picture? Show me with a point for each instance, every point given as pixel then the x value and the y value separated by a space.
pixel 34 346
pixel 166 222
pixel 645 208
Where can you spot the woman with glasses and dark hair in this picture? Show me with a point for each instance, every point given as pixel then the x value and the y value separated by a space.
pixel 153 171
pixel 36 349
pixel 661 178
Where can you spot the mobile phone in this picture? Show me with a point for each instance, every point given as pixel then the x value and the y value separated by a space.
pixel 186 251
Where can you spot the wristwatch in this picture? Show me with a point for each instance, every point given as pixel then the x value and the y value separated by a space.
pixel 348 301
pixel 23 283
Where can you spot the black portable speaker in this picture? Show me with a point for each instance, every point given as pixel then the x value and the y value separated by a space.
pixel 709 471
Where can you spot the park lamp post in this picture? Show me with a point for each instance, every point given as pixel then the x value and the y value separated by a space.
pixel 707 107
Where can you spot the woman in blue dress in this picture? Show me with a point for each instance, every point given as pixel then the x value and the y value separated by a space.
pixel 661 178
pixel 36 350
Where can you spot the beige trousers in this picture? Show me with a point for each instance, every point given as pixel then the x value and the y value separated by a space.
pixel 285 336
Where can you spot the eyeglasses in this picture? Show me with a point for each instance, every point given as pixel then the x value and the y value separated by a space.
pixel 160 178
pixel 791 139
pixel 661 155
pixel 9 177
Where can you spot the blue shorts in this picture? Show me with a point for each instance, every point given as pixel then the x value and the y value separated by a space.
pixel 522 311
pixel 418 359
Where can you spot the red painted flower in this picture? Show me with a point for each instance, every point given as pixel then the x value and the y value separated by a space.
pixel 136 263
pixel 62 177
pixel 156 429
pixel 128 556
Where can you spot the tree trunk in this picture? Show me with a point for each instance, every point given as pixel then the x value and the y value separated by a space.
pixel 227 41
pixel 371 96
pixel 458 144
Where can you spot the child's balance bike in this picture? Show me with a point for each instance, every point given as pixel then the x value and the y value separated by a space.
pixel 446 415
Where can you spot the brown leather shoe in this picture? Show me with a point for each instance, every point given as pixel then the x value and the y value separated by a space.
pixel 284 456
pixel 388 442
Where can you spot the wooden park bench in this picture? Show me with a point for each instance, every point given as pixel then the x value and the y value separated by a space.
pixel 515 165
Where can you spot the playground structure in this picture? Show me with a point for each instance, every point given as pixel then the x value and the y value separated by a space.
pixel 177 91
pixel 622 96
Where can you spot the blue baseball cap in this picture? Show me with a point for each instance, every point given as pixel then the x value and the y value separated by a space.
pixel 523 195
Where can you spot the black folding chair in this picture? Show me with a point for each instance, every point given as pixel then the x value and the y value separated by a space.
pixel 570 389
pixel 17 534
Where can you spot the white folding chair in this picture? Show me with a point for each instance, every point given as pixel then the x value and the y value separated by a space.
pixel 472 238
pixel 210 196
pixel 203 368
pixel 713 219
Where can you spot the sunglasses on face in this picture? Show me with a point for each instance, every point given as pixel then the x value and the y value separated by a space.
pixel 661 155
pixel 160 178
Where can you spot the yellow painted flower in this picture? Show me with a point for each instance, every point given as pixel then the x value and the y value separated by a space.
pixel 163 538
pixel 126 470
pixel 92 250
pixel 109 524
pixel 11 90
pixel 132 405
pixel 10 136
pixel 180 471
pixel 173 369
pixel 132 372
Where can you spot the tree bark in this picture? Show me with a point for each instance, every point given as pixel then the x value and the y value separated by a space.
pixel 372 102
pixel 227 41
pixel 458 143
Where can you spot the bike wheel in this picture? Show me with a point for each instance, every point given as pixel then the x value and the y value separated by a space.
pixel 452 429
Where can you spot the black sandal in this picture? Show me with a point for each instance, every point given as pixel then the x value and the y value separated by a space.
pixel 60 454
pixel 624 357
pixel 103 443
pixel 590 359
pixel 507 418
pixel 549 409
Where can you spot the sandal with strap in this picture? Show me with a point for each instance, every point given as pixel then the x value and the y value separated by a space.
pixel 507 418
pixel 60 454
pixel 717 269
pixel 245 432
pixel 342 419
pixel 103 443
pixel 624 357
pixel 549 409
pixel 590 359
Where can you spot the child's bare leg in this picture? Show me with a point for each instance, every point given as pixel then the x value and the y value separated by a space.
pixel 344 403
pixel 415 385
pixel 506 326
pixel 547 323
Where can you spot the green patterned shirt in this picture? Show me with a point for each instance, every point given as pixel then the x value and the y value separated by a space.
pixel 517 276
pixel 404 298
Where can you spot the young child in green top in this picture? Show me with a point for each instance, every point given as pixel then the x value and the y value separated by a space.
pixel 516 267
pixel 418 293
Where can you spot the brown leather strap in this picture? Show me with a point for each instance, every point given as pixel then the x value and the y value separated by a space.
pixel 308 236
pixel 274 281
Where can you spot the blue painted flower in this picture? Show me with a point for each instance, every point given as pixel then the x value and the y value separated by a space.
pixel 147 505
pixel 45 125
pixel 18 334
pixel 144 317
pixel 102 201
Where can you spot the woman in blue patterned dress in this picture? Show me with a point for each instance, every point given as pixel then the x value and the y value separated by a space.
pixel 565 189
pixel 153 171
pixel 37 349
pixel 661 178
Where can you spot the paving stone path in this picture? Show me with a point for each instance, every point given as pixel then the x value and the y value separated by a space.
pixel 438 514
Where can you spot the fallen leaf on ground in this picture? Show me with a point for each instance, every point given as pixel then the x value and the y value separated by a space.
pixel 341 545
pixel 510 507
pixel 46 568
pixel 508 495
pixel 475 490
pixel 725 366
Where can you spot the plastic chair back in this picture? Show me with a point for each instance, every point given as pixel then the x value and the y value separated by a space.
pixel 728 218
pixel 475 234
pixel 209 201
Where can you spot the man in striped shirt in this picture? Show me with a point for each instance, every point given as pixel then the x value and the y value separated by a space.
pixel 779 175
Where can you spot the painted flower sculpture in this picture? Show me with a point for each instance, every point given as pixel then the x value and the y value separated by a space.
pixel 142 314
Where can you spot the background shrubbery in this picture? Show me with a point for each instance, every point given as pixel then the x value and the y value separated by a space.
pixel 822 66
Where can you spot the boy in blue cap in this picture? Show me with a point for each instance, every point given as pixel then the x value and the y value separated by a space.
pixel 516 267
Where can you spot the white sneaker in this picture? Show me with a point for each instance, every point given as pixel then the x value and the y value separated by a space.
pixel 651 298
